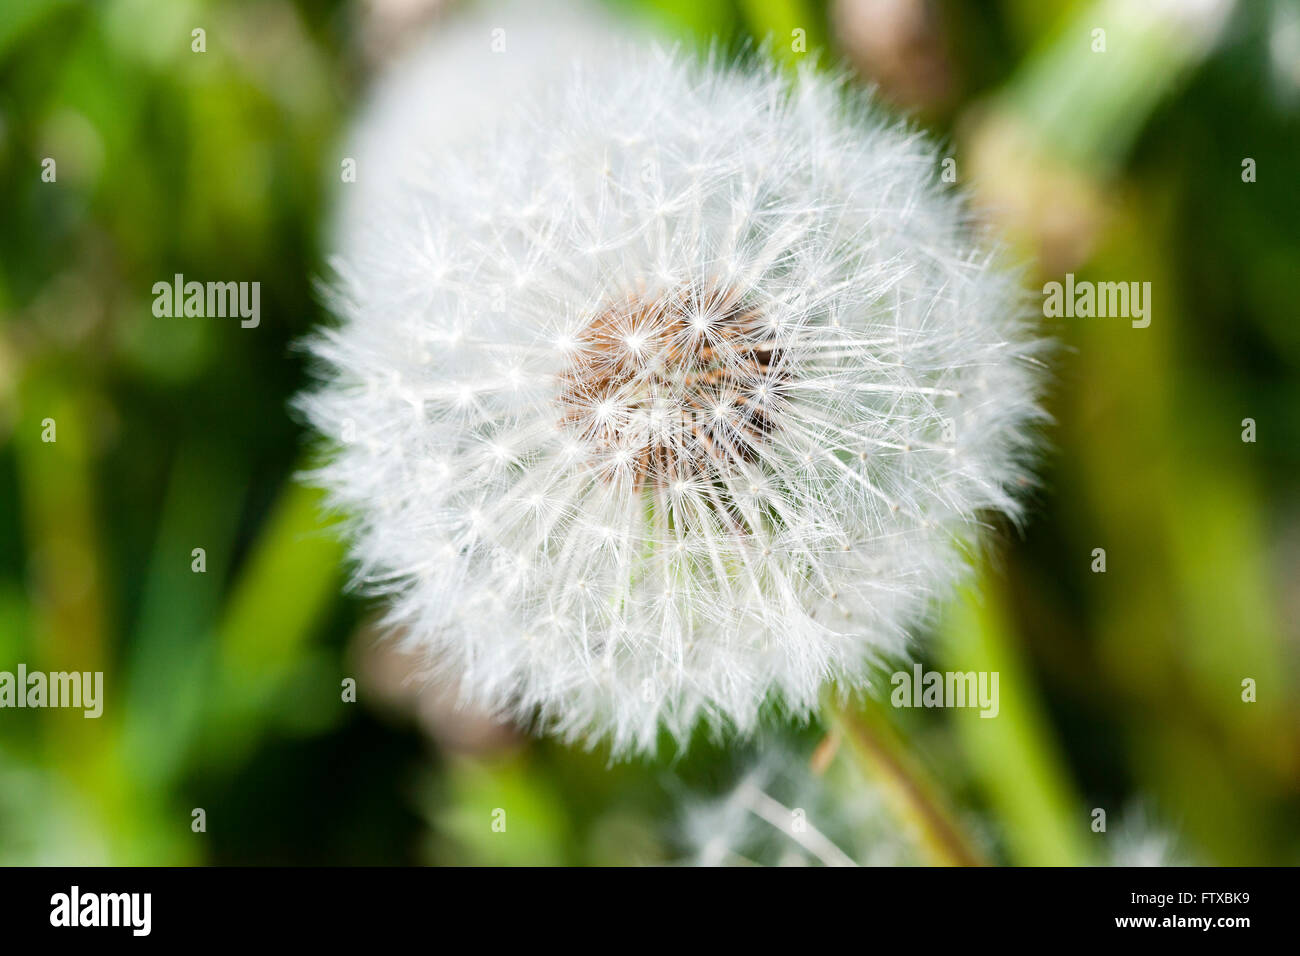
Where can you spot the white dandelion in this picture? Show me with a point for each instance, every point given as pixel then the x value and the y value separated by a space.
pixel 681 388
pixel 1142 839
pixel 472 66
pixel 780 813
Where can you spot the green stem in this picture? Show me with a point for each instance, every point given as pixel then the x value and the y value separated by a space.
pixel 1014 756
pixel 911 792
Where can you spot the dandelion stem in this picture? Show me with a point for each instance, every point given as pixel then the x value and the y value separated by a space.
pixel 911 793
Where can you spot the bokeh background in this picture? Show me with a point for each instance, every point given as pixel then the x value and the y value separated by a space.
pixel 1120 691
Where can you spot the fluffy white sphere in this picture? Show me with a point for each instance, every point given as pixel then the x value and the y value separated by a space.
pixel 681 388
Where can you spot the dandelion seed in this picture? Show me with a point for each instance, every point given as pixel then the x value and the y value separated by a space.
pixel 693 425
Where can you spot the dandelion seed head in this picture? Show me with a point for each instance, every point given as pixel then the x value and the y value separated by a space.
pixel 672 401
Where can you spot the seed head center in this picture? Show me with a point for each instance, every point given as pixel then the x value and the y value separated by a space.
pixel 680 385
